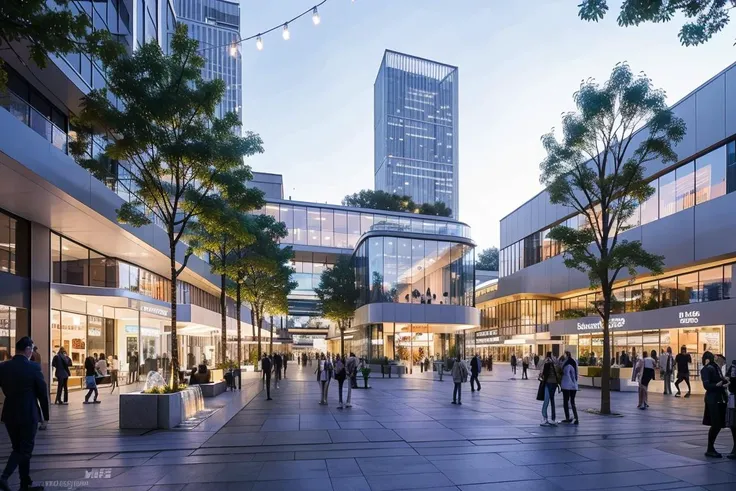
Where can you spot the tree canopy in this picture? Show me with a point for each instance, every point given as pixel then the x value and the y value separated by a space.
pixel 45 27
pixel 175 158
pixel 487 260
pixel 381 200
pixel 338 294
pixel 705 17
pixel 597 169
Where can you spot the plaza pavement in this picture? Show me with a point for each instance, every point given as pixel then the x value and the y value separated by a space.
pixel 401 434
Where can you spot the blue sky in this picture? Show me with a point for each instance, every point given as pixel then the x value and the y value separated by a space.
pixel 311 98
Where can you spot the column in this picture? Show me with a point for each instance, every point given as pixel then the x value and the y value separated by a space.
pixel 729 342
pixel 40 311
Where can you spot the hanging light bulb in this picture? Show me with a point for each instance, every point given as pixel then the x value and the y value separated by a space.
pixel 234 50
pixel 259 43
pixel 315 16
pixel 286 34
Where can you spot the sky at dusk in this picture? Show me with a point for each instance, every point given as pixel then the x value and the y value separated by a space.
pixel 311 98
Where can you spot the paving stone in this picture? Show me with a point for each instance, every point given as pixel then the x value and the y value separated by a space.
pixel 408 481
pixel 617 479
pixel 704 475
pixel 343 468
pixel 350 484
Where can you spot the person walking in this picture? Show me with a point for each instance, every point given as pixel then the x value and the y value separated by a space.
pixel 61 363
pixel 267 368
pixel 25 391
pixel 536 361
pixel 645 374
pixel 285 358
pixel 731 406
pixel 550 376
pixel 340 376
pixel 683 361
pixel 666 364
pixel 715 401
pixel 474 372
pixel 525 367
pixel 277 363
pixel 513 364
pixel 101 366
pixel 325 368
pixel 351 369
pixel 90 380
pixel 115 363
pixel 459 377
pixel 569 387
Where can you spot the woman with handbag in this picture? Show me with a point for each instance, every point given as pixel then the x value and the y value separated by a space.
pixel 549 382
pixel 715 401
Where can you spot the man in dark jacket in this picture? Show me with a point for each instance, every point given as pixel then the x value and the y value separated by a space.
pixel 474 372
pixel 277 367
pixel 267 366
pixel 61 364
pixel 24 388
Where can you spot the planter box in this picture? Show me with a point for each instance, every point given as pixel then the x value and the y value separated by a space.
pixel 153 411
pixel 589 371
pixel 213 389
pixel 217 374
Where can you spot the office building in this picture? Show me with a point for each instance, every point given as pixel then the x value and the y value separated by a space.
pixel 539 305
pixel 216 25
pixel 416 129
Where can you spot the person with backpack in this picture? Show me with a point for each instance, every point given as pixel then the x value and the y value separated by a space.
pixel 340 376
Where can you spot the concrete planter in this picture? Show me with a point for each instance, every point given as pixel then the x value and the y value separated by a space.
pixel 157 411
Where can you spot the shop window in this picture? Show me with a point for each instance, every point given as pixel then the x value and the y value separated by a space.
pixel 618 301
pixel 633 298
pixel 667 195
pixel 650 296
pixel 727 274
pixel 710 285
pixel 685 186
pixel 687 289
pixel 97 269
pixel 74 263
pixel 731 167
pixel 668 292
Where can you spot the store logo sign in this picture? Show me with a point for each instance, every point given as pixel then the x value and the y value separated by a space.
pixel 613 323
pixel 156 310
pixel 689 317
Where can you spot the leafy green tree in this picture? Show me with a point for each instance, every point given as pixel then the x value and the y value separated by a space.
pixel 180 158
pixel 487 259
pixel 44 27
pixel 338 294
pixel 706 17
pixel 381 200
pixel 220 231
pixel 598 169
pixel 262 269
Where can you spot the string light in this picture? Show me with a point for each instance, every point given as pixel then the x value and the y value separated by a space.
pixel 284 26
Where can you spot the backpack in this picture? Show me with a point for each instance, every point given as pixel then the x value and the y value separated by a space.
pixel 339 369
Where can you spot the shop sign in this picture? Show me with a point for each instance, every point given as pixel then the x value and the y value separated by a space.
pixel 613 323
pixel 151 309
pixel 487 337
pixel 689 317
pixel 94 331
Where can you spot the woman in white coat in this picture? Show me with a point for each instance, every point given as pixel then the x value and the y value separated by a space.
pixel 569 387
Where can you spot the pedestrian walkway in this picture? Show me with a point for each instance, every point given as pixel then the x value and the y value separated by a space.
pixel 400 434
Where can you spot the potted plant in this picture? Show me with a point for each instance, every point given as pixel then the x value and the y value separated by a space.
pixel 366 373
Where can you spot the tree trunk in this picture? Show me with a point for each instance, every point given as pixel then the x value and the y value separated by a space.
pixel 238 304
pixel 253 336
pixel 174 342
pixel 342 338
pixel 606 372
pixel 258 321
pixel 271 340
pixel 223 318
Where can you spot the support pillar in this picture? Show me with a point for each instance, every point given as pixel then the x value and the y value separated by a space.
pixel 40 311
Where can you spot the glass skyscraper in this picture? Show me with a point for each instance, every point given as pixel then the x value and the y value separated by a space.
pixel 415 118
pixel 217 23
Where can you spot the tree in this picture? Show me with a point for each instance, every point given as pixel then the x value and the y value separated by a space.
pixel 381 200
pixel 598 169
pixel 263 271
pixel 487 259
pixel 708 17
pixel 178 156
pixel 338 295
pixel 45 27
pixel 220 230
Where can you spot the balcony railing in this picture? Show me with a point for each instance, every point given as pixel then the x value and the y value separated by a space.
pixel 29 116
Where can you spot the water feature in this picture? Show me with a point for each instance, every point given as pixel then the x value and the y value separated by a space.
pixel 192 402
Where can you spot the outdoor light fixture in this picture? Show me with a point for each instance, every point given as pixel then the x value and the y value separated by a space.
pixel 233 50
pixel 286 34
pixel 315 16
pixel 259 43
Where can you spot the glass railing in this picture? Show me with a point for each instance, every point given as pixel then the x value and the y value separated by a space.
pixel 427 227
pixel 29 116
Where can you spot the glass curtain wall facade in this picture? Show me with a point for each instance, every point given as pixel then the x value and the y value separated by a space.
pixel 407 270
pixel 216 25
pixel 696 182
pixel 415 120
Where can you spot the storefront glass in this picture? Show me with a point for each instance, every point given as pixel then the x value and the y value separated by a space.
pixel 8 318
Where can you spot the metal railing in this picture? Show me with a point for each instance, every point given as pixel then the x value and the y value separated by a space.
pixel 29 116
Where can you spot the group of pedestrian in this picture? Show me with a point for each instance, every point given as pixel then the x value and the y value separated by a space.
pixel 720 401
pixel 341 369
pixel 274 364
pixel 558 375
pixel 460 375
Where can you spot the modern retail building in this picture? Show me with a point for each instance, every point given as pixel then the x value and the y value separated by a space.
pixel 539 305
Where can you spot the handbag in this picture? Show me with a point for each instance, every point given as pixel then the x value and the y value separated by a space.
pixel 540 390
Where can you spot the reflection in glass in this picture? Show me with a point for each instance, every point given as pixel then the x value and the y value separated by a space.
pixel 687 289
pixel 650 208
pixel 711 284
pixel 710 175
pixel 74 263
pixel 286 215
pixel 668 292
pixel 313 224
pixel 667 195
pixel 685 186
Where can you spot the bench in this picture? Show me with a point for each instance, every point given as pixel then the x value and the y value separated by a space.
pixel 213 389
